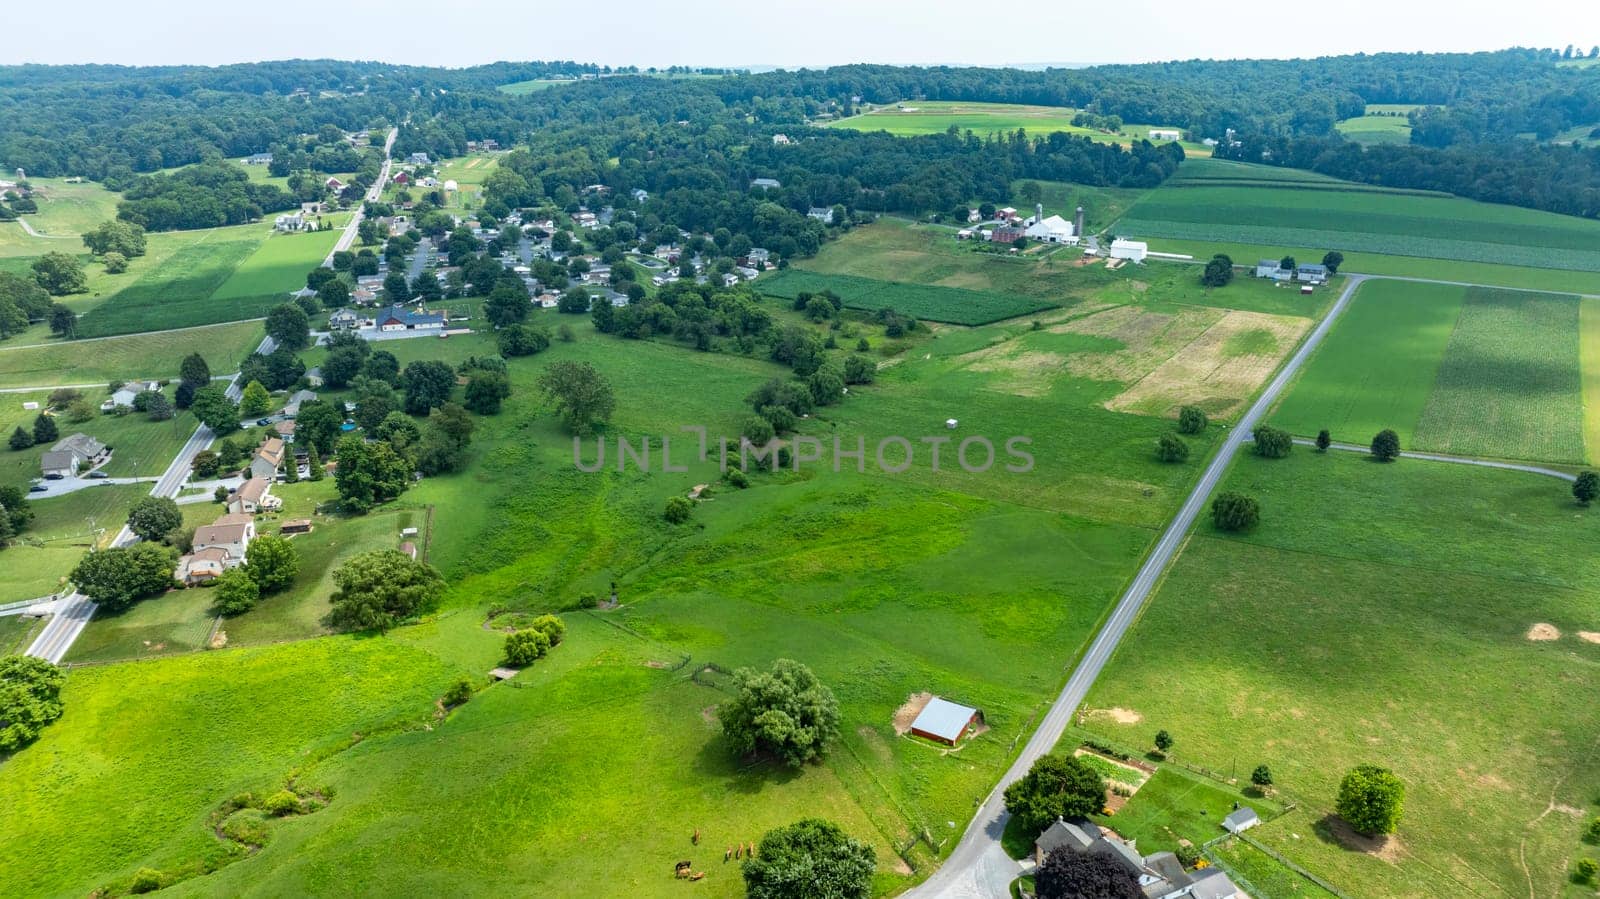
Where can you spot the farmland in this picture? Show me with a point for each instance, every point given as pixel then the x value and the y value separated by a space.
pixel 1384 123
pixel 1366 620
pixel 126 358
pixel 984 119
pixel 939 304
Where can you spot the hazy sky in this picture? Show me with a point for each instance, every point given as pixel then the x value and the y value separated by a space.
pixel 777 32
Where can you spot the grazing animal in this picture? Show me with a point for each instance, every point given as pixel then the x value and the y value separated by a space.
pixel 727 853
pixel 696 838
pixel 698 875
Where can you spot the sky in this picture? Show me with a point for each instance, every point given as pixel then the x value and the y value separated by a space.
pixel 779 33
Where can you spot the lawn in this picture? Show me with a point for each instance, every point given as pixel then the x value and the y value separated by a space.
pixel 1175 807
pixel 17 632
pixel 1589 365
pixel 1362 219
pixel 1371 618
pixel 59 536
pixel 932 303
pixel 126 358
pixel 65 212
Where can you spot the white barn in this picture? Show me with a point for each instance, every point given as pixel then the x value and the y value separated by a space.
pixel 1165 134
pixel 1054 229
pixel 1133 250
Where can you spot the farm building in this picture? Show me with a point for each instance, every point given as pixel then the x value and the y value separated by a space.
pixel 1311 272
pixel 1241 819
pixel 258 159
pixel 944 721
pixel 765 183
pixel 1269 268
pixel 395 318
pixel 295 526
pixel 1054 229
pixel 1165 134
pixel 1005 235
pixel 1133 250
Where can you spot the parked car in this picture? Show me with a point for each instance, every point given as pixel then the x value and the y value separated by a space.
pixel 263 422
pixel 96 475
pixel 53 477
pixel 38 488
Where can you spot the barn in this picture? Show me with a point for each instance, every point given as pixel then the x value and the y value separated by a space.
pixel 943 721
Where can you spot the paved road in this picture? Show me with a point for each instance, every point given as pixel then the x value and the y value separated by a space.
pixel 348 238
pixel 1456 460
pixel 73 612
pixel 32 233
pixel 978 868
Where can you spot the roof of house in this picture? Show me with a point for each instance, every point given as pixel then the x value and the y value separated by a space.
pixel 56 460
pixel 943 718
pixel 1265 263
pixel 1212 883
pixel 227 529
pixel 344 315
pixel 1240 818
pixel 1065 833
pixel 764 182
pixel 407 317
pixel 253 489
pixel 1313 267
pixel 84 446
pixel 284 428
pixel 271 450
pixel 208 554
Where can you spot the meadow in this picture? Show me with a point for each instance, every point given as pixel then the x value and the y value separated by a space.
pixel 1470 371
pixel 1367 619
pixel 932 303
pixel 126 358
pixel 985 119
pixel 1384 123
pixel 66 210
pixel 1589 366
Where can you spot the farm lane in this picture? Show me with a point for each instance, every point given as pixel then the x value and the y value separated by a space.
pixel 978 868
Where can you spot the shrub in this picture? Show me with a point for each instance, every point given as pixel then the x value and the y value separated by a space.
pixel 145 880
pixel 1192 420
pixel 1235 512
pixel 458 692
pixel 1370 800
pixel 553 628
pixel 1324 440
pixel 678 510
pixel 1262 776
pixel 1591 832
pixel 1586 488
pixel 523 648
pixel 1585 870
pixel 1171 448
pixel 738 478
pixel 1272 443
pixel 281 804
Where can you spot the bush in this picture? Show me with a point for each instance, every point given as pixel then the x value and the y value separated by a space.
pixel 1386 446
pixel 1591 832
pixel 523 648
pixel 1585 870
pixel 1370 800
pixel 281 804
pixel 1235 512
pixel 1191 420
pixel 552 627
pixel 738 478
pixel 1171 448
pixel 145 880
pixel 458 692
pixel 1586 488
pixel 1272 443
pixel 678 510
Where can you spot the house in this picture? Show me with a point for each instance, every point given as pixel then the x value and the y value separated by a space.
pixel 401 178
pixel 333 184
pixel 944 721
pixel 1269 268
pixel 293 221
pixel 71 455
pixel 1160 874
pixel 1005 235
pixel 419 159
pixel 268 458
pixel 124 397
pixel 258 159
pixel 730 280
pixel 974 216
pixel 232 532
pixel 765 183
pixel 1054 229
pixel 823 214
pixel 202 566
pixel 252 497
pixel 396 318
pixel 285 429
pixel 1132 250
pixel 1007 214
pixel 1312 273
pixel 964 234
pixel 757 257
pixel 344 319
pixel 639 195
pixel 451 185
pixel 1165 134
pixel 780 139
pixel 299 398
pixel 1241 819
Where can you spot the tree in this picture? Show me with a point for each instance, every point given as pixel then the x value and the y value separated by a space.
pixel 117 577
pixel 1218 272
pixel 1324 440
pixel 1287 263
pixel 581 395
pixel 395 287
pixel 59 274
pixel 485 391
pixel 1386 446
pixel 1370 800
pixel 380 588
pixel 314 470
pixel 63 321
pixel 158 407
pixel 444 442
pixel 523 648
pixel 1057 786
pixel 272 562
pixel 507 305
pixel 333 293
pixel 20 439
pixel 255 400
pixel 1235 512
pixel 1261 777
pixel 382 366
pixel 521 340
pixel 14 508
pixel 1069 874
pixel 1163 741
pixel 236 592
pixel 115 263
pixel 785 712
pixel 154 517
pixel 1171 448
pixel 341 367
pixel 678 510
pixel 212 406
pixel 1586 488
pixel 317 425
pixel 810 858
pixel 374 401
pixel 289 325
pixel 30 699
pixel 1192 420
pixel 369 474
pixel 859 370
pixel 1333 259
pixel 115 236
pixel 44 429
pixel 427 383
pixel 1272 443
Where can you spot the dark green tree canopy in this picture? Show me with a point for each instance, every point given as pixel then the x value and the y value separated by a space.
pixel 117 577
pixel 30 699
pixel 809 859
pixel 1370 800
pixel 381 588
pixel 1057 786
pixel 785 712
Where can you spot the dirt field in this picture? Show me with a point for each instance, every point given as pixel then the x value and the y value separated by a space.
pixel 1210 372
pixel 1148 339
pixel 908 713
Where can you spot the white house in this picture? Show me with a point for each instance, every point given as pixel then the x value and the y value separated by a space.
pixel 292 222
pixel 1165 134
pixel 1269 268
pixel 253 496
pixel 823 214
pixel 780 139
pixel 1054 229
pixel 1312 273
pixel 217 547
pixel 1133 250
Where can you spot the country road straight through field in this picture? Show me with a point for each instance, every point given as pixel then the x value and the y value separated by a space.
pixel 978 868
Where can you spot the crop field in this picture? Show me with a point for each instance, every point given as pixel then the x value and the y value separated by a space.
pixel 931 303
pixel 179 293
pixel 126 358
pixel 1373 617
pixel 1589 365
pixel 1510 384
pixel 936 116
pixel 1384 123
pixel 279 264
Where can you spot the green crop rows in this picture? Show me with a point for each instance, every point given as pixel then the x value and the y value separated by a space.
pixel 939 304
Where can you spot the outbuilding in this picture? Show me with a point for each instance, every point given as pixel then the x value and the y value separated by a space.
pixel 943 721
pixel 1132 250
pixel 1241 819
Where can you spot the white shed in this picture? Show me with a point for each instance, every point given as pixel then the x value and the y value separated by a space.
pixel 1134 250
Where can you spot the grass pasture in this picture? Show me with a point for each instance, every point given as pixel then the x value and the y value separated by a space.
pixel 278 265
pixel 1589 365
pixel 1369 618
pixel 937 116
pixel 1384 123
pixel 929 303
pixel 66 210
pixel 128 357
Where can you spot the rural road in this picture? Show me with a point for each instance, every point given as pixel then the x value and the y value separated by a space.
pixel 73 612
pixel 348 238
pixel 32 233
pixel 978 868
pixel 1456 460
pixel 76 341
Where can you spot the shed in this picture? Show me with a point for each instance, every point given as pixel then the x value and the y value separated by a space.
pixel 295 526
pixel 1241 819
pixel 944 721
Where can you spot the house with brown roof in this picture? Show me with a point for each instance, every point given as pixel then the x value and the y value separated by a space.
pixel 255 495
pixel 268 459
pixel 218 546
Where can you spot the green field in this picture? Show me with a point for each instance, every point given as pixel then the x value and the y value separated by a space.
pixel 65 212
pixel 1384 123
pixel 1373 617
pixel 1470 371
pixel 279 265
pixel 126 358
pixel 938 116
pixel 931 303
pixel 179 293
